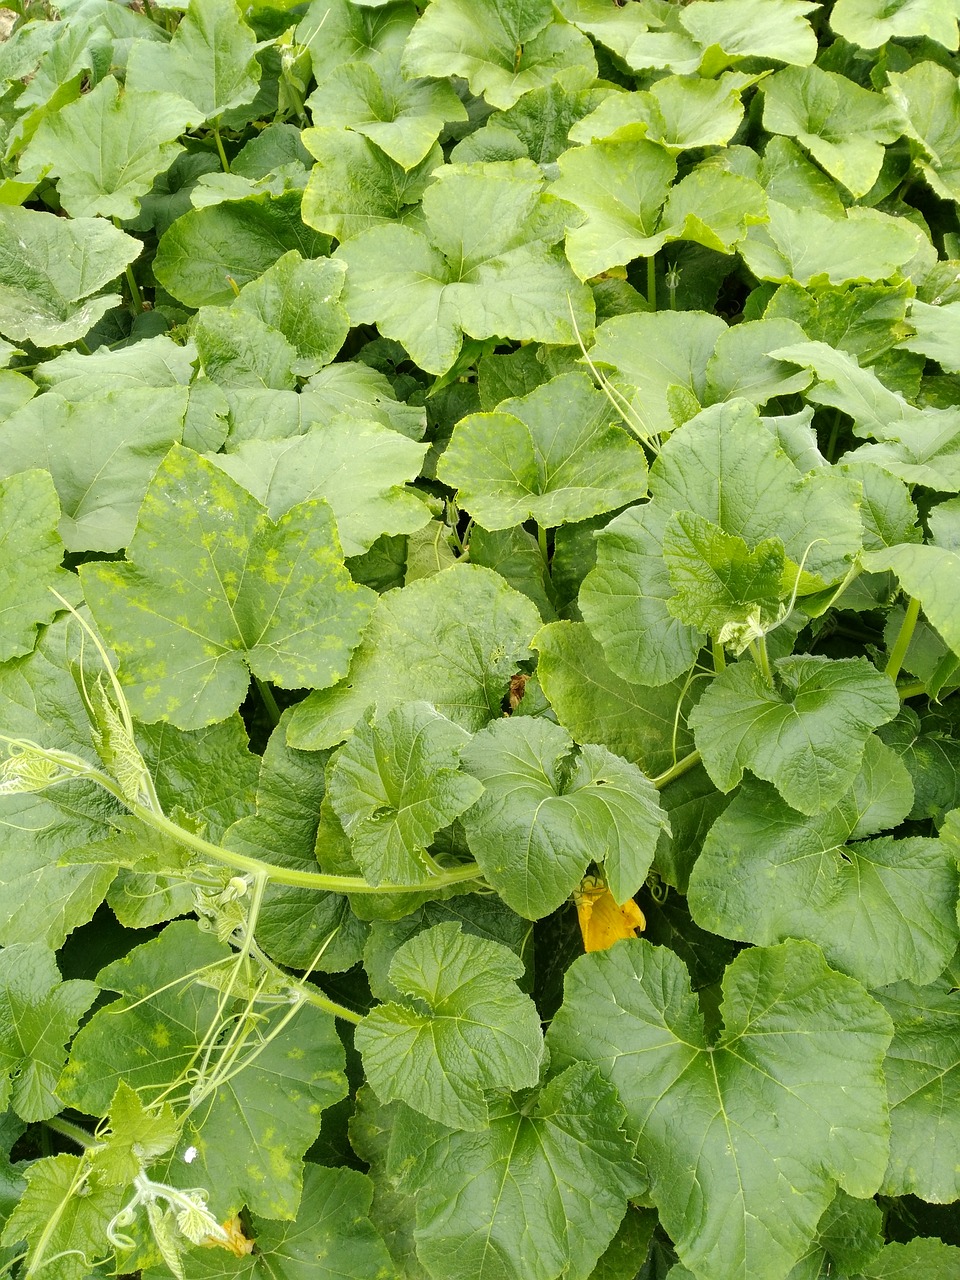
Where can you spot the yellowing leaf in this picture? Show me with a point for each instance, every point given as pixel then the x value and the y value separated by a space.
pixel 602 921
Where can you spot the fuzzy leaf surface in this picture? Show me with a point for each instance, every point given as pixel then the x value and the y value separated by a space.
pixel 479 1032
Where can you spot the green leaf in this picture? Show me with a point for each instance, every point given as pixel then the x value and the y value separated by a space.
pixel 339 31
pixel 237 349
pixel 719 581
pixel 620 187
pixel 813 248
pixel 215 589
pixel 594 704
pixel 135 1138
pixel 359 467
pixel 922 1069
pixel 871 23
pixel 101 452
pixel 767 1104
pixel 107 148
pixel 331 1239
pixel 395 784
pixel 38 1015
pixel 678 112
pixel 482 267
pixel 806 734
pixel 252 1126
pixel 63 1215
pixel 843 126
pixel 502 48
pixel 403 117
pixel 925 1259
pixel 723 466
pixel 881 910
pixel 647 36
pixel 300 298
pixel 479 1033
pixel 775 30
pixel 928 99
pixel 355 186
pixel 207 249
pixel 211 60
pixel 713 208
pixel 930 575
pixel 539 1194
pixel 552 456
pixel 30 555
pixel 453 639
pixel 936 333
pixel 550 808
pixel 50 267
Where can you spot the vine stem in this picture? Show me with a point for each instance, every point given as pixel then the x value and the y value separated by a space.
pixel 719 657
pixel 72 1131
pixel 542 543
pixel 678 770
pixel 904 636
pixel 759 650
pixel 268 700
pixel 652 281
pixel 220 151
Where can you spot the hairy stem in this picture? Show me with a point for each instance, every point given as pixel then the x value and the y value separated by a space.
pixel 268 699
pixel 904 636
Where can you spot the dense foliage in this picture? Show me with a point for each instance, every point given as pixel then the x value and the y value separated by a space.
pixel 478 485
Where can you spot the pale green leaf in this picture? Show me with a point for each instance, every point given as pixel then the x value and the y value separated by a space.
pixel 924 1258
pixel 215 589
pixel 552 456
pixel 338 31
pixel 643 36
pixel 403 117
pixel 843 126
pixel 237 349
pixel 678 112
pixel 483 267
pixel 928 98
pixel 395 784
pixel 38 1015
pixel 871 23
pixel 107 148
pixel 806 733
pixel 931 575
pixel 101 453
pixel 550 808
pixel 594 704
pixel 254 1126
pixel 359 467
pixel 356 186
pixel 50 267
pixel 453 639
pixel 64 1211
pixel 135 1137
pixel 811 248
pixel 502 48
pixel 211 60
pixel 767 1105
pixel 208 251
pixel 30 556
pixel 620 187
pixel 713 208
pixel 477 1032
pixel 774 30
pixel 881 910
pixel 539 1194
pixel 936 333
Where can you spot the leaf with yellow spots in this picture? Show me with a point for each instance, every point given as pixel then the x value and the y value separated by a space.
pixel 604 921
pixel 213 589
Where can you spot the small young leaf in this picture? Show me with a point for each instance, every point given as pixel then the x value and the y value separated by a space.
pixel 480 1032
pixel 548 810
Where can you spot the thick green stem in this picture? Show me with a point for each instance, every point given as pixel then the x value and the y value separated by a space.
pixel 904 636
pixel 652 281
pixel 268 700
pixel 288 875
pixel 759 651
pixel 72 1131
pixel 678 770
pixel 834 434
pixel 136 297
pixel 223 155
pixel 542 542
pixel 911 690
pixel 312 995
pixel 719 657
